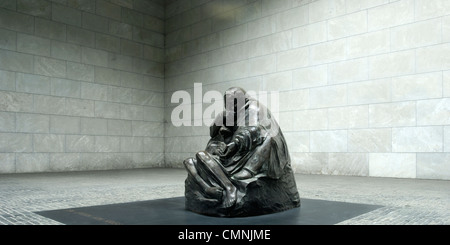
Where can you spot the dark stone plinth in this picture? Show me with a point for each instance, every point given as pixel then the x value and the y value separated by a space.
pixel 171 211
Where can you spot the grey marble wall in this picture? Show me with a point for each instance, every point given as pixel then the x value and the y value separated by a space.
pixel 364 85
pixel 81 85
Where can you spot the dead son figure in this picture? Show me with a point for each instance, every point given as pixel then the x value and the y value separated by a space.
pixel 245 169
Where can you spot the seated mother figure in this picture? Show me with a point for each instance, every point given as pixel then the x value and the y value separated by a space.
pixel 246 145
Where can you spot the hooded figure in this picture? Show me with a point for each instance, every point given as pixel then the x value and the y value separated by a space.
pixel 245 169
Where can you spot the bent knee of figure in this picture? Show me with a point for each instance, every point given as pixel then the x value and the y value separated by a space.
pixel 189 162
pixel 203 155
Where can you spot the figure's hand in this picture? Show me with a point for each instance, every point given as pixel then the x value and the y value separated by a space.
pixel 231 150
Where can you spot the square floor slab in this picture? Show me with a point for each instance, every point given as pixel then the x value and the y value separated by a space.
pixel 172 211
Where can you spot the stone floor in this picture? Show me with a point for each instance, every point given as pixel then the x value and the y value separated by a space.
pixel 404 201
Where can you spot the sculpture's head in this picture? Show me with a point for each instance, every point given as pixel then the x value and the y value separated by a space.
pixel 235 98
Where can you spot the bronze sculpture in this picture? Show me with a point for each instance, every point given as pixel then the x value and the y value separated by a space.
pixel 245 169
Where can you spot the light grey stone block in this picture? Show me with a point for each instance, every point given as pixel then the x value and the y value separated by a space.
pixel 149 7
pixel 120 95
pixel 48 143
pixel 39 8
pixel 80 143
pixel 50 29
pixel 107 144
pixel 94 57
pixel 94 126
pixel 131 80
pixel 447 84
pixel 309 163
pixel 66 15
pixel 433 58
pixel 153 114
pixel 369 44
pixel 12 5
pixel 14 142
pixel 348 117
pixel 131 48
pixel 433 166
pixel 347 25
pixel 107 42
pixel 146 67
pixel 64 125
pixel 310 77
pixel 66 88
pixel 7 80
pixel 132 17
pixel 82 72
pixel 153 24
pixel 131 112
pixel 94 91
pixel 368 92
pixel 393 14
pixel 120 29
pixel 392 64
pixel 328 96
pixel 7 122
pixel 84 5
pixel 8 39
pixel 293 59
pixel 370 140
pixel 119 128
pixel 66 51
pixel 77 107
pixel 7 163
pixel 131 144
pixel 32 83
pixel 49 67
pixel 109 10
pixel 415 87
pixel 328 52
pixel 148 37
pixel 392 114
pixel 118 160
pixel 297 141
pixel 107 110
pixel 329 141
pixel 417 139
pixel 80 36
pixel 419 34
pixel 148 160
pixel 94 161
pixel 94 22
pixel 447 139
pixel 249 12
pixel 32 123
pixel 63 162
pixel 395 165
pixel 49 105
pixel 141 128
pixel 107 76
pixel 16 61
pixel 433 112
pixel 33 44
pixel 294 100
pixel 17 102
pixel 353 164
pixel 32 163
pixel 149 98
pixel 153 53
pixel 15 21
pixel 121 62
pixel 153 145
